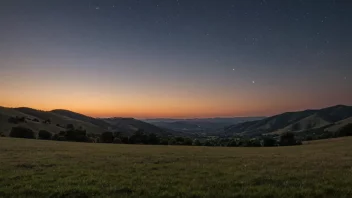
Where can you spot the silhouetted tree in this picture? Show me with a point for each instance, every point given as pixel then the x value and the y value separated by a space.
pixel 345 131
pixel 153 139
pixel 107 137
pixel 44 135
pixel 196 142
pixel 287 139
pixel 268 142
pixel 117 141
pixel 21 132
pixel 188 141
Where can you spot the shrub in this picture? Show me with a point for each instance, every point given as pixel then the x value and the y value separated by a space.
pixel 44 135
pixel 345 130
pixel 125 140
pixel 55 137
pixel 21 132
pixel 2 134
pixel 188 141
pixel 76 135
pixel 47 121
pixel 138 137
pixel 164 141
pixel 117 141
pixel 70 126
pixel 35 120
pixel 153 139
pixel 196 142
pixel 107 137
pixel 287 139
pixel 268 142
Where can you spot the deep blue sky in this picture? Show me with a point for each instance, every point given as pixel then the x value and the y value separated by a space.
pixel 178 58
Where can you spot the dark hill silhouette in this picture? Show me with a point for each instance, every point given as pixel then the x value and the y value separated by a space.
pixel 292 121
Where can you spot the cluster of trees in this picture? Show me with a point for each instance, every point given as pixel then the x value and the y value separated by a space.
pixel 139 137
pixel 322 134
pixel 16 120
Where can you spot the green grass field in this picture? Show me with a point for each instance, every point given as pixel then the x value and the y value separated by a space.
pixel 35 168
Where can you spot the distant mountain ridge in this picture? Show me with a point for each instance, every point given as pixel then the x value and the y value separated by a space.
pixel 294 122
pixel 60 118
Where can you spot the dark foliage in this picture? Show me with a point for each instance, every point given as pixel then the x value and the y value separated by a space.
pixel 107 137
pixel 288 139
pixel 345 131
pixel 21 132
pixel 44 135
pixel 35 120
pixel 269 142
pixel 76 135
pixel 70 127
pixel 16 120
pixel 117 141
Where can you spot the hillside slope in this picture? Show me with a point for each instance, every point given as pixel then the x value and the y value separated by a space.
pixel 34 119
pixel 292 121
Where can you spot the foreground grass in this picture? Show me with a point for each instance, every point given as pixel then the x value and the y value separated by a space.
pixel 34 168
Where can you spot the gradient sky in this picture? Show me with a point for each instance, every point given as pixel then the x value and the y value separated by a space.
pixel 175 58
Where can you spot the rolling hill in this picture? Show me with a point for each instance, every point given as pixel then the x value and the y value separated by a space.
pixel 34 120
pixel 331 118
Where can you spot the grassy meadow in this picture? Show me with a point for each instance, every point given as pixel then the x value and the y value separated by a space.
pixel 36 168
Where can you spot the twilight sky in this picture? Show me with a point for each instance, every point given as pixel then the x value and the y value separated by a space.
pixel 175 58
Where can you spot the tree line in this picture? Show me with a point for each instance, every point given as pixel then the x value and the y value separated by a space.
pixel 140 137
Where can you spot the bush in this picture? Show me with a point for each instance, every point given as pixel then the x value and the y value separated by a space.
pixel 35 120
pixel 21 132
pixel 153 139
pixel 107 137
pixel 269 142
pixel 55 137
pixel 70 127
pixel 345 131
pixel 44 135
pixel 117 141
pixel 164 141
pixel 196 142
pixel 287 139
pixel 16 120
pixel 2 134
pixel 76 135
pixel 188 141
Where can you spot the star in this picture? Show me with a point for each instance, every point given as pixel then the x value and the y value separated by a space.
pixel 97 8
pixel 253 82
pixel 233 69
pixel 345 78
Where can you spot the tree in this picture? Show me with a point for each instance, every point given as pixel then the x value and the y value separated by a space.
pixel 164 141
pixel 188 141
pixel 2 134
pixel 76 135
pixel 172 141
pixel 268 142
pixel 21 132
pixel 107 137
pixel 138 137
pixel 196 142
pixel 345 130
pixel 117 141
pixel 153 139
pixel 125 140
pixel 44 135
pixel 287 139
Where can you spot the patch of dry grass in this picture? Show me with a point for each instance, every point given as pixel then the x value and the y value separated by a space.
pixel 35 168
